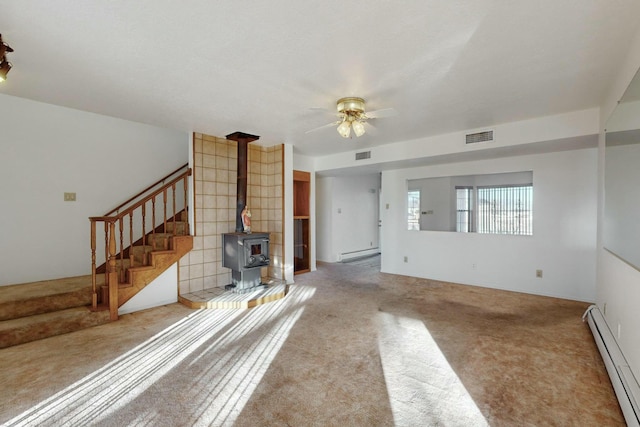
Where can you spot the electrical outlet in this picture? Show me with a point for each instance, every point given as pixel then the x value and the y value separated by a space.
pixel 474 266
pixel 539 274
pixel 69 197
pixel 406 259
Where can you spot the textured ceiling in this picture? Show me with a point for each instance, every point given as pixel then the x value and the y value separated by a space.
pixel 258 67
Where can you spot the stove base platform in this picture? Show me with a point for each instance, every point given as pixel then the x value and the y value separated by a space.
pixel 237 290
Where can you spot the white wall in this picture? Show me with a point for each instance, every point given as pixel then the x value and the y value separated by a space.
pixel 324 219
pixel 563 244
pixel 576 124
pixel 288 213
pixel 46 150
pixel 163 290
pixel 618 284
pixel 435 198
pixel 348 217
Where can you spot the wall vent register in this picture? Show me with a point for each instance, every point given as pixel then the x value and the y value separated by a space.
pixel 363 155
pixel 475 138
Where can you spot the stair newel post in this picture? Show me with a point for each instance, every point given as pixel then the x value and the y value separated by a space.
pixel 94 292
pixel 112 273
pixel 186 211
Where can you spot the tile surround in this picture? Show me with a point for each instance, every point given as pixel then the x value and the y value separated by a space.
pixel 215 176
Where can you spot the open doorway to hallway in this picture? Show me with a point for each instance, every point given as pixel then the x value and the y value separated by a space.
pixel 348 214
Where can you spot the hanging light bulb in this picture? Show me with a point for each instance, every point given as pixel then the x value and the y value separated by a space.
pixel 358 127
pixel 345 128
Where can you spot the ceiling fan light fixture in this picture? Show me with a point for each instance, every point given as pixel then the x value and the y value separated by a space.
pixel 344 129
pixel 5 66
pixel 358 127
pixel 351 105
pixel 4 48
pixel 351 114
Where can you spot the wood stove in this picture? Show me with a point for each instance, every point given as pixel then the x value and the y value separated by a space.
pixel 245 254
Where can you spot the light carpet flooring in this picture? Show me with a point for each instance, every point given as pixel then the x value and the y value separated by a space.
pixel 348 346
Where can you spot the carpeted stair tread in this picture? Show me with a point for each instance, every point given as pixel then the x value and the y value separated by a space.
pixel 40 297
pixel 26 329
pixel 42 288
pixel 180 226
pixel 157 240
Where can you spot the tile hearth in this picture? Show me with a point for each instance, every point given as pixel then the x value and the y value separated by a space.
pixel 218 297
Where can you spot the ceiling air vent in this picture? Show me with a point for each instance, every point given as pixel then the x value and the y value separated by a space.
pixel 474 138
pixel 363 155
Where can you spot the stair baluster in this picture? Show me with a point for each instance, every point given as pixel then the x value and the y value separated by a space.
pixel 164 202
pixel 94 290
pixel 173 188
pixel 130 239
pixel 112 273
pixel 144 234
pixel 121 266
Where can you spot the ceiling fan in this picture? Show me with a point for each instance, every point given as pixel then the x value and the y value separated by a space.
pixel 352 115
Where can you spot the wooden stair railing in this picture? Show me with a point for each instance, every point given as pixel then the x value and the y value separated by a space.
pixel 133 214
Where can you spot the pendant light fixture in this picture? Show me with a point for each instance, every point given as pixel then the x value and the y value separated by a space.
pixel 5 65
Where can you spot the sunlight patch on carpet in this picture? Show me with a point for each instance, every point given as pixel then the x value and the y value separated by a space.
pixel 230 349
pixel 423 388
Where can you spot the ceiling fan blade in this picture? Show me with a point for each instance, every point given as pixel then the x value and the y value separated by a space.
pixel 371 129
pixel 385 112
pixel 324 126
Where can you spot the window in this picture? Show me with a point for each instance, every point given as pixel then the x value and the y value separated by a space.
pixel 493 203
pixel 413 219
pixel 506 209
pixel 464 209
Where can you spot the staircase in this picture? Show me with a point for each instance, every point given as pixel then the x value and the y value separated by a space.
pixel 148 261
pixel 38 310
pixel 133 256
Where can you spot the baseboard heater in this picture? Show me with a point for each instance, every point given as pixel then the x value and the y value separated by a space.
pixel 350 256
pixel 623 381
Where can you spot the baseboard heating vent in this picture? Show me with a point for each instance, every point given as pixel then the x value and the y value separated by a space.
pixel 363 155
pixel 349 256
pixel 475 138
pixel 623 381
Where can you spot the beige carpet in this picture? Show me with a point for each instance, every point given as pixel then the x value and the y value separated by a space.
pixel 347 347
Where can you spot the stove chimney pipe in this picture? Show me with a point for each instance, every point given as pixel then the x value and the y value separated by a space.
pixel 243 140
